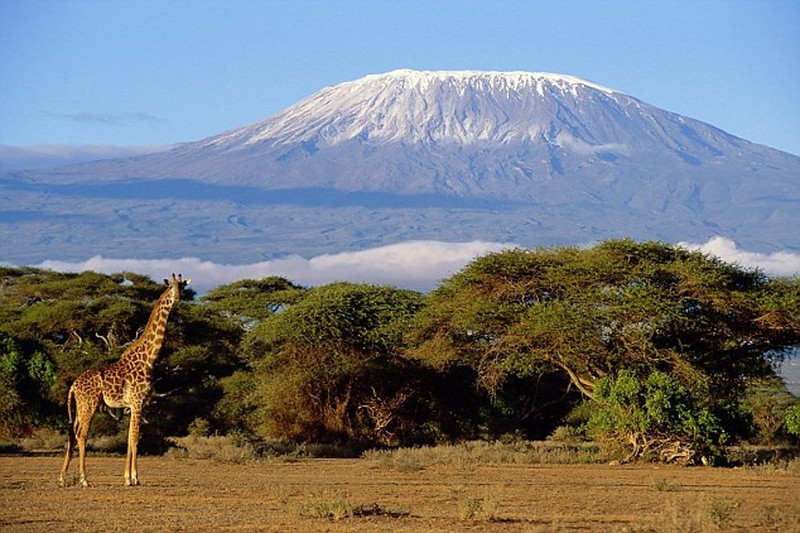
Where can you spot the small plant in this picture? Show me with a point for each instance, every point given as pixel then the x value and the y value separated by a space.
pixel 324 505
pixel 70 480
pixel 408 465
pixel 681 515
pixel 771 516
pixel 471 508
pixel 376 509
pixel 662 485
pixel 479 509
pixel 43 439
pixel 338 507
pixel 720 510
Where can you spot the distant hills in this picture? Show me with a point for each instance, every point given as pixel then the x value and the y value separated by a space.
pixel 530 158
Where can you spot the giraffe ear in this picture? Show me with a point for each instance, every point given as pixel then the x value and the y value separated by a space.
pixel 166 282
pixel 187 281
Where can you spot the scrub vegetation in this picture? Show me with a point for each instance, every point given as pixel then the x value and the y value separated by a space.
pixel 639 350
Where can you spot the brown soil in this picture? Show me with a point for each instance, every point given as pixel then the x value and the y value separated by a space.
pixel 202 495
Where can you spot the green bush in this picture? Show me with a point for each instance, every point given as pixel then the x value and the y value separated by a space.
pixel 664 350
pixel 26 381
pixel 329 368
pixel 654 417
pixel 792 420
pixel 769 407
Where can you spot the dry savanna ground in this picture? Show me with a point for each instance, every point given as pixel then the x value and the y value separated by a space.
pixel 369 495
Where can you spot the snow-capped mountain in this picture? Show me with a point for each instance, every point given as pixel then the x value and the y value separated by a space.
pixel 419 107
pixel 532 158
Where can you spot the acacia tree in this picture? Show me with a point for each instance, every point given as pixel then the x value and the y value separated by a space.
pixel 64 323
pixel 622 305
pixel 249 301
pixel 60 325
pixel 330 367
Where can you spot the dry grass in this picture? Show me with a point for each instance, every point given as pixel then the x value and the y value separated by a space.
pixel 340 495
pixel 663 485
pixel 470 455
pixel 337 506
pixel 43 440
pixel 479 509
pixel 218 448
pixel 785 466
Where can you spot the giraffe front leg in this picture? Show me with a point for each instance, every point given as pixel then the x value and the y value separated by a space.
pixel 131 464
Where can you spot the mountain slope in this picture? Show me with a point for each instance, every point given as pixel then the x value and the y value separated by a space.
pixel 561 159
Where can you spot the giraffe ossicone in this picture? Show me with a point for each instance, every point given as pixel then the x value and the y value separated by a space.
pixel 126 383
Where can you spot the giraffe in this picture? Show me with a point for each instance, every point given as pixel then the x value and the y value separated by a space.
pixel 126 383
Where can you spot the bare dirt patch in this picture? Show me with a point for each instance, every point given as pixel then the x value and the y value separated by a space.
pixel 361 495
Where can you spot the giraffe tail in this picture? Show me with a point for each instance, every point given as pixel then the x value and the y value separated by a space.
pixel 70 395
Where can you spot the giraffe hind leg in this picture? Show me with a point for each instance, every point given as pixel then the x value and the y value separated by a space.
pixel 62 480
pixel 82 437
pixel 85 415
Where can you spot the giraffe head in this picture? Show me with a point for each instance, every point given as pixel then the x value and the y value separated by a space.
pixel 175 285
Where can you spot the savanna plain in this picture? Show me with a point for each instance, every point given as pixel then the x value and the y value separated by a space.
pixel 381 493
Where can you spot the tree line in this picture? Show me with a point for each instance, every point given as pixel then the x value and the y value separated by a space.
pixel 667 352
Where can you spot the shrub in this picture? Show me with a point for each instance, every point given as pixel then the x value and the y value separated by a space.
pixel 770 407
pixel 26 380
pixel 656 417
pixel 329 368
pixel 792 420
pixel 218 448
pixel 720 510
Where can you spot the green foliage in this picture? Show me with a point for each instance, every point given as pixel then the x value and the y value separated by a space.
pixel 655 415
pixel 792 420
pixel 41 371
pixel 25 383
pixel 621 305
pixel 13 422
pixel 330 368
pixel 76 320
pixel 62 324
pixel 768 405
pixel 250 301
pixel 674 349
pixel 200 349
pixel 720 511
pixel 234 411
pixel 10 357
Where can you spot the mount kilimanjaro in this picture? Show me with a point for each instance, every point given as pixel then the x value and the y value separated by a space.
pixel 529 158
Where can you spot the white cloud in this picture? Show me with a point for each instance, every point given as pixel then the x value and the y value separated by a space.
pixel 774 264
pixel 418 265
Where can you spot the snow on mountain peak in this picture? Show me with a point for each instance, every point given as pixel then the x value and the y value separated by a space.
pixel 420 106
pixel 516 79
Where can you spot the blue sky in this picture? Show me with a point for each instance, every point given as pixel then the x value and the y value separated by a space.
pixel 156 72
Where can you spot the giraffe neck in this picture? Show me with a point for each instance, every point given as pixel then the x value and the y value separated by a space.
pixel 153 336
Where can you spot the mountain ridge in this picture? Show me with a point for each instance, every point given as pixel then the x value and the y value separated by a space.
pixel 555 159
